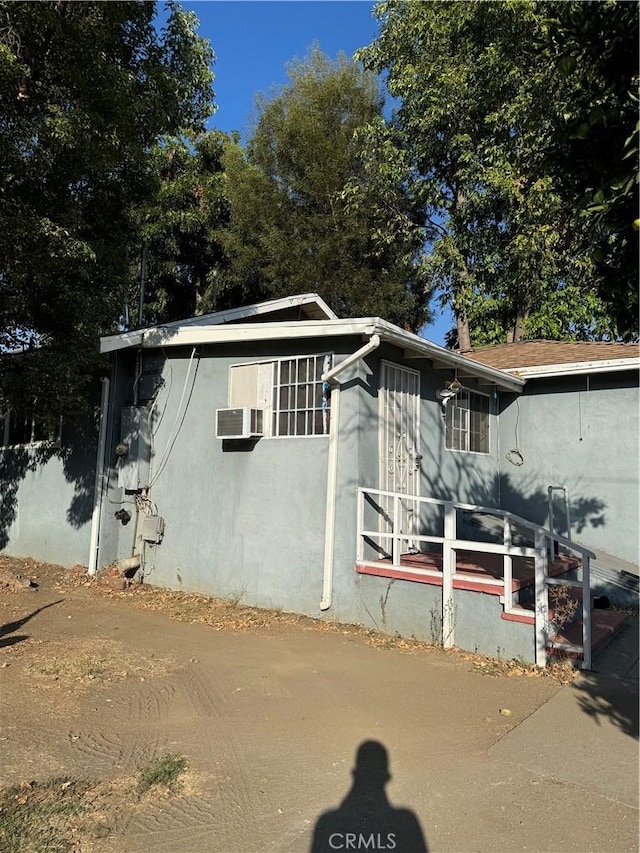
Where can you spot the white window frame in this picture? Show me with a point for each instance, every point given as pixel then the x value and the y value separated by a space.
pixel 466 431
pixel 265 390
pixel 5 433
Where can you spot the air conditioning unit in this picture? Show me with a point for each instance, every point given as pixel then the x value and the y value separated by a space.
pixel 239 423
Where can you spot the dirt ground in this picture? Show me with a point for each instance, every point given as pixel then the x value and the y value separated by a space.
pixel 269 711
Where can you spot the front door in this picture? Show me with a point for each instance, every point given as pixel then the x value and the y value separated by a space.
pixel 399 463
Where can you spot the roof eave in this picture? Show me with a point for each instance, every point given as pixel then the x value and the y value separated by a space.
pixel 412 345
pixel 415 347
pixel 541 371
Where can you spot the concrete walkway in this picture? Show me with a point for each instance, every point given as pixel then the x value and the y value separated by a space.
pixel 586 735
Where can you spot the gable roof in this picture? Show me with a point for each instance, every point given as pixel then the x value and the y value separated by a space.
pixel 249 327
pixel 529 359
pixel 305 306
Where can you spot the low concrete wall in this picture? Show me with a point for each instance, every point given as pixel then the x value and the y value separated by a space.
pixel 479 627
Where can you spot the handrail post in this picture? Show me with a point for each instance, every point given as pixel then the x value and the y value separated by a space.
pixel 541 613
pixel 395 540
pixel 448 568
pixel 360 523
pixel 508 566
pixel 586 611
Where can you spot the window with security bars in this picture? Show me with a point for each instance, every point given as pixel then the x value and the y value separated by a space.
pixel 18 428
pixel 301 404
pixel 290 392
pixel 467 422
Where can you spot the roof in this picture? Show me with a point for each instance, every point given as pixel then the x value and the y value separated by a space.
pixel 305 306
pixel 200 330
pixel 529 359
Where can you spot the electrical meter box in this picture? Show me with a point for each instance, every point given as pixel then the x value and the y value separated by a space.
pixel 153 529
pixel 135 435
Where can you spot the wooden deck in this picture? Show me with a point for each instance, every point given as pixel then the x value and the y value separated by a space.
pixel 479 571
pixel 475 570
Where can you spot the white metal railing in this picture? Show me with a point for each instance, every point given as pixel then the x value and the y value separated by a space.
pixel 565 506
pixel 388 506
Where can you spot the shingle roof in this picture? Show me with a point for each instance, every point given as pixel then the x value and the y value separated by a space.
pixel 523 354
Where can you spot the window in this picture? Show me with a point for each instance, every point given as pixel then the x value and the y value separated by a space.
pixel 467 422
pixel 300 398
pixel 290 390
pixel 18 428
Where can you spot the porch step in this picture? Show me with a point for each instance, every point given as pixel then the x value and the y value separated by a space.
pixel 472 567
pixel 605 624
pixel 519 614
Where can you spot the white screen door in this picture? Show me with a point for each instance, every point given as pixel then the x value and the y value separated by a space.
pixel 399 466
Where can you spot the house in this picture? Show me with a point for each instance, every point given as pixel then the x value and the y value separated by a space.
pixel 574 426
pixel 348 469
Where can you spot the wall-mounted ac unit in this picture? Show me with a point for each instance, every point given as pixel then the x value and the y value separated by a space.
pixel 239 423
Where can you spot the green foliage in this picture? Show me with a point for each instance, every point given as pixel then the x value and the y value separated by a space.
pixel 182 227
pixel 594 144
pixel 164 772
pixel 85 91
pixel 294 225
pixel 35 817
pixel 487 94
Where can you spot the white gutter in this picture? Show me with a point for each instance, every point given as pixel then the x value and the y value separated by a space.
pixel 574 369
pixel 98 488
pixel 416 347
pixel 412 345
pixel 332 467
pixel 234 333
pixel 122 341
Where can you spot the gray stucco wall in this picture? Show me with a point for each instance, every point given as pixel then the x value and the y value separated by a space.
pixel 46 497
pixel 582 433
pixel 247 520
pixel 244 520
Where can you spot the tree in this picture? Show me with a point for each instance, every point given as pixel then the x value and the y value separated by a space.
pixel 182 227
pixel 594 151
pixel 293 227
pixel 86 89
pixel 483 103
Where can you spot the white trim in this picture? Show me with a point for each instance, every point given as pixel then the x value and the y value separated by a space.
pixel 412 345
pixel 115 342
pixel 451 406
pixel 272 409
pixel 409 400
pixel 574 368
pixel 319 310
pixel 33 443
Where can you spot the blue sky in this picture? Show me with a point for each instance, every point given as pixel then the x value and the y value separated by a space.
pixel 255 40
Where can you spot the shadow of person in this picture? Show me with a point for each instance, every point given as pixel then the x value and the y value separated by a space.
pixel 365 819
pixel 10 627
